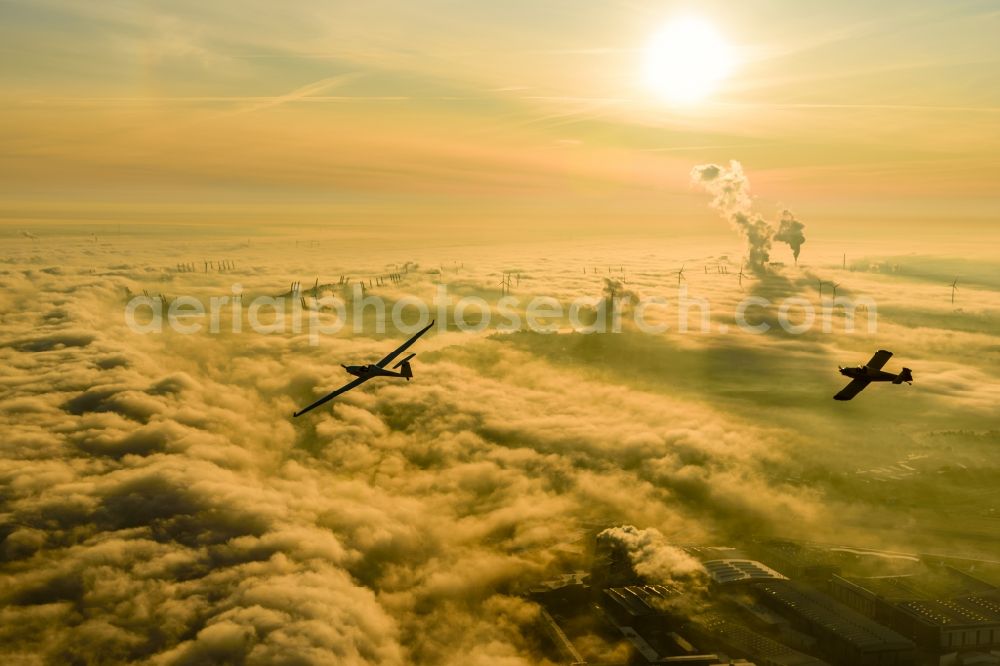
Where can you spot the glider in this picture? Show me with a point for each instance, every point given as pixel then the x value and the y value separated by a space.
pixel 366 372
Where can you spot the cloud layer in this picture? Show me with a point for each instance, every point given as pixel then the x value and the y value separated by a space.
pixel 159 505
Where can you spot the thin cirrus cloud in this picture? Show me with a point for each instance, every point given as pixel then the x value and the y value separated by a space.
pixel 133 99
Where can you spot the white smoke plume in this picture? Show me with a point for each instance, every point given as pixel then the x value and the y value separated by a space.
pixel 790 231
pixel 655 559
pixel 731 191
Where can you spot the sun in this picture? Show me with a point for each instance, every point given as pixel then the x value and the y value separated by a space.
pixel 686 61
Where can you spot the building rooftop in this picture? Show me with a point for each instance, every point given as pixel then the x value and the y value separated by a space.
pixel 942 596
pixel 639 600
pixel 735 571
pixel 970 610
pixel 833 616
pixel 749 642
pixel 561 581
pixel 926 585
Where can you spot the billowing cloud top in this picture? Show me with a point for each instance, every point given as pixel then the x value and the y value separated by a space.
pixel 160 506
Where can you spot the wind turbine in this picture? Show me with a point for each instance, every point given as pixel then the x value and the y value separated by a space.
pixel 680 275
pixel 834 286
pixel 741 275
pixel 954 288
pixel 820 287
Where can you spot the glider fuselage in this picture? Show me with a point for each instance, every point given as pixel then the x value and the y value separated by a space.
pixel 370 371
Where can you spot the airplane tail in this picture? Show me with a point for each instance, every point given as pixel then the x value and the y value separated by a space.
pixel 404 367
pixel 904 376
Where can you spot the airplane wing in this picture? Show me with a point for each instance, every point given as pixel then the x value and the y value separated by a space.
pixel 852 389
pixel 330 396
pixel 403 347
pixel 880 358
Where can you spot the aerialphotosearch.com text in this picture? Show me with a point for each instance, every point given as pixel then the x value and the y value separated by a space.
pixel 329 314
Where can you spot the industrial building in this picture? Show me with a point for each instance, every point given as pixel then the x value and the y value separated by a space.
pixel 729 572
pixel 833 606
pixel 741 640
pixel 646 618
pixel 943 610
pixel 843 635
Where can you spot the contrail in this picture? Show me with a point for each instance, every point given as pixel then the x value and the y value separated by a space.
pixel 301 93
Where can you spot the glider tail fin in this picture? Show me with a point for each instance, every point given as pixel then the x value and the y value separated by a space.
pixel 404 367
pixel 905 376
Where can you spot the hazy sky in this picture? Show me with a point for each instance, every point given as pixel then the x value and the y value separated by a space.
pixel 482 112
